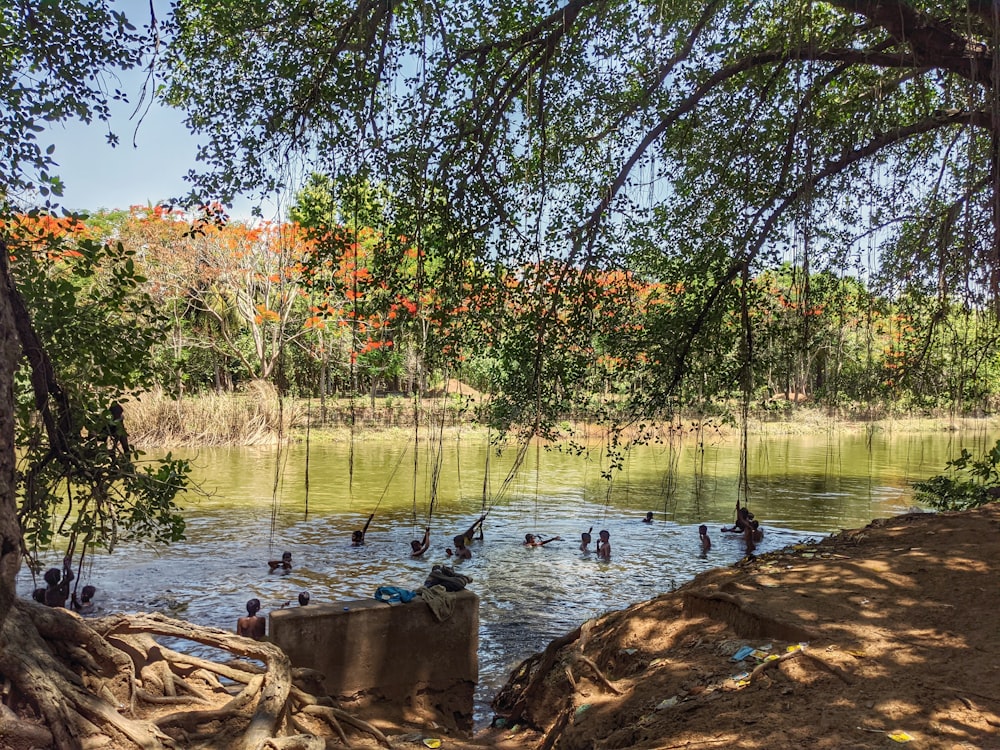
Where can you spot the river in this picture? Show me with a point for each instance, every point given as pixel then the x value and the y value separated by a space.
pixel 800 487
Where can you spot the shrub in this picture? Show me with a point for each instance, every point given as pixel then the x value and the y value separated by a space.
pixel 967 483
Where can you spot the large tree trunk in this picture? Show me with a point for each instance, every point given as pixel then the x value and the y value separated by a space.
pixel 10 354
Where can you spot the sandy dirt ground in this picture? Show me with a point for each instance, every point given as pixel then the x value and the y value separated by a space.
pixel 881 637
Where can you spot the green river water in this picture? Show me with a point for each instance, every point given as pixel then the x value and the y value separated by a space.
pixel 801 487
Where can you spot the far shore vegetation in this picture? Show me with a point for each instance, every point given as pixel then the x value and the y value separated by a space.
pixel 258 415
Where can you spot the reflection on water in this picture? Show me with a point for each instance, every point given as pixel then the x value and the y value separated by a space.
pixel 801 487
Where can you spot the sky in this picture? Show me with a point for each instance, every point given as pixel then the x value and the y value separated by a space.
pixel 154 152
pixel 151 159
pixel 147 166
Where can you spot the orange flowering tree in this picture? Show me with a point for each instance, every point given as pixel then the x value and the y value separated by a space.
pixel 389 290
pixel 239 290
pixel 551 336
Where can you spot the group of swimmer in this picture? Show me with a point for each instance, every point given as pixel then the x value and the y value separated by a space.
pixel 748 526
pixel 56 590
pixel 253 625
pixel 745 524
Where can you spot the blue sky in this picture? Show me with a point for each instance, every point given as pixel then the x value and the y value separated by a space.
pixel 151 159
pixel 148 165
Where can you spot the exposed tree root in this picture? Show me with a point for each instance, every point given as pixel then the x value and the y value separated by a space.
pixel 76 683
pixel 528 682
pixel 589 663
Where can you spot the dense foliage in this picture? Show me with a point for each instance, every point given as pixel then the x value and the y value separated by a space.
pixel 809 187
pixel 58 62
pixel 74 323
pixel 332 307
pixel 78 477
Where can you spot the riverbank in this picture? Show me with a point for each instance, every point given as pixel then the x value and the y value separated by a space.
pixel 259 417
pixel 871 637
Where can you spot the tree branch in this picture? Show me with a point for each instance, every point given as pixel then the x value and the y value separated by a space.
pixel 934 43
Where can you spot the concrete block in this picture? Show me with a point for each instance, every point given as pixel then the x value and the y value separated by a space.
pixel 394 662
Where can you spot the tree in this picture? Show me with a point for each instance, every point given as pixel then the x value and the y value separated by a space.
pixel 76 676
pixel 68 51
pixel 704 141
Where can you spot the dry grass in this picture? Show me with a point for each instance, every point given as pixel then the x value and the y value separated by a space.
pixel 254 416
pixel 257 416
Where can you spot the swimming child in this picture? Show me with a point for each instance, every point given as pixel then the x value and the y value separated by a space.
pixel 706 543
pixel 461 551
pixel 475 531
pixel 648 518
pixel 748 539
pixel 358 536
pixel 284 564
pixel 84 605
pixel 585 540
pixel 604 545
pixel 419 547
pixel 303 598
pixel 252 626
pixel 743 519
pixel 530 540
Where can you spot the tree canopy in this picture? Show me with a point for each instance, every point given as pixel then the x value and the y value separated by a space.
pixel 695 143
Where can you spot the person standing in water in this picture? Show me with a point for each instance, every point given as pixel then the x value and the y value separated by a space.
pixel 252 626
pixel 461 551
pixel 706 543
pixel 475 531
pixel 57 589
pixel 419 547
pixel 604 545
pixel 585 541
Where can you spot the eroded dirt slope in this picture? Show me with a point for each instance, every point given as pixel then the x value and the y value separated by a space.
pixel 900 630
